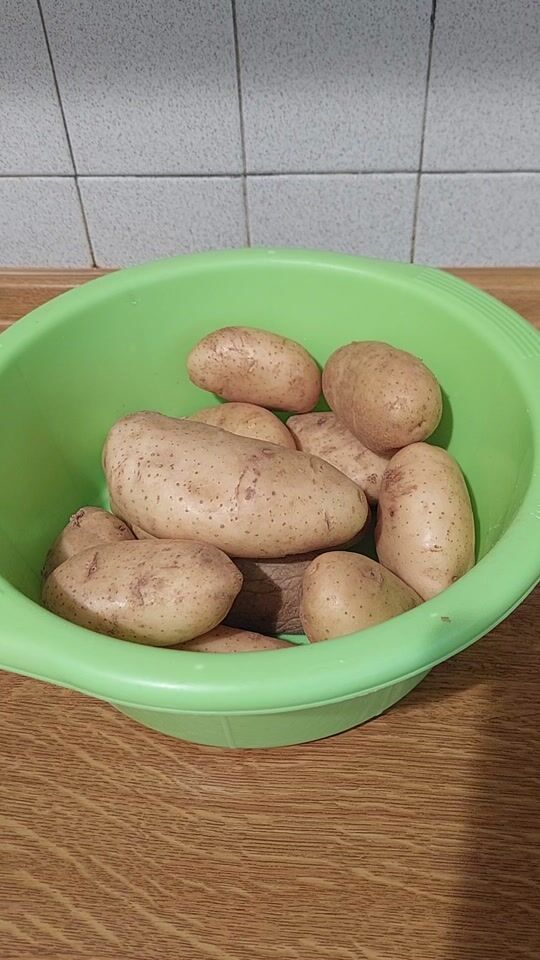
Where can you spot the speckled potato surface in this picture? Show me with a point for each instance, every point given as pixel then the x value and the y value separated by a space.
pixel 231 640
pixel 158 593
pixel 425 525
pixel 247 420
pixel 269 600
pixel 325 436
pixel 346 592
pixel 85 528
pixel 180 479
pixel 254 366
pixel 387 397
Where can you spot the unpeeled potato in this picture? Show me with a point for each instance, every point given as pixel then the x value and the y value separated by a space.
pixel 387 397
pixel 254 366
pixel 325 436
pixel 425 525
pixel 346 592
pixel 231 640
pixel 269 601
pixel 159 593
pixel 180 479
pixel 86 528
pixel 247 420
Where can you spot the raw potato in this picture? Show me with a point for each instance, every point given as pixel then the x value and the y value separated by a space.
pixel 247 420
pixel 425 527
pixel 323 435
pixel 156 593
pixel 387 397
pixel 269 600
pixel 230 640
pixel 346 592
pixel 255 366
pixel 179 479
pixel 142 534
pixel 86 528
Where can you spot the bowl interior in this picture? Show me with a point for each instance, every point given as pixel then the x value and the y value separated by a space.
pixel 104 356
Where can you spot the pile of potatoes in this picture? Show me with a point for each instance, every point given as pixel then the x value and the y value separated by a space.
pixel 229 526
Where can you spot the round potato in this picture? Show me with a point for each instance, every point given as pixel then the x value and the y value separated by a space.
pixel 155 593
pixel 269 601
pixel 254 366
pixel 179 479
pixel 425 526
pixel 387 397
pixel 86 528
pixel 247 420
pixel 230 640
pixel 323 435
pixel 346 592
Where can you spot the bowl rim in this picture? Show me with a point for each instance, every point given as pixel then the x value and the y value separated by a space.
pixel 36 643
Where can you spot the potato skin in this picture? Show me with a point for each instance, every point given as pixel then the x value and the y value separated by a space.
pixel 154 593
pixel 180 479
pixel 346 592
pixel 387 397
pixel 247 420
pixel 85 528
pixel 230 640
pixel 325 436
pixel 254 366
pixel 269 601
pixel 425 526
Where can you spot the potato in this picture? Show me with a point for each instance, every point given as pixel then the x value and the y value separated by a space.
pixel 247 420
pixel 425 527
pixel 142 534
pixel 230 640
pixel 179 479
pixel 346 592
pixel 254 366
pixel 323 435
pixel 387 397
pixel 155 593
pixel 269 600
pixel 86 528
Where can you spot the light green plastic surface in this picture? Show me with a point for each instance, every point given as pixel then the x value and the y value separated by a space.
pixel 118 344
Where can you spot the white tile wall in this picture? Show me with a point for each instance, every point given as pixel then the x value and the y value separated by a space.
pixel 370 214
pixel 132 219
pixel 373 126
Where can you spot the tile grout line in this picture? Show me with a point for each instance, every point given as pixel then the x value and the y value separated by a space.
pixel 266 173
pixel 423 133
pixel 68 139
pixel 242 125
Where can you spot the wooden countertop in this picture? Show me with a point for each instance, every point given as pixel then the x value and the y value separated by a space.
pixel 415 837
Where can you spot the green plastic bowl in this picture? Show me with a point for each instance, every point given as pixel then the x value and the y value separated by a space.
pixel 118 344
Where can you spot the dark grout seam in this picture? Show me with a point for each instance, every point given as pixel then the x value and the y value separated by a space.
pixel 423 136
pixel 253 175
pixel 68 139
pixel 242 125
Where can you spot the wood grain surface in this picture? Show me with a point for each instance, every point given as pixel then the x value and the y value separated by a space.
pixel 414 837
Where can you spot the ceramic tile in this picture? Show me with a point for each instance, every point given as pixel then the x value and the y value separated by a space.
pixel 479 220
pixel 369 214
pixel 41 223
pixel 32 136
pixel 484 96
pixel 134 219
pixel 147 87
pixel 333 86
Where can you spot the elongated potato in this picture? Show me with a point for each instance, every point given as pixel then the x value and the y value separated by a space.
pixel 387 397
pixel 155 593
pixel 179 479
pixel 425 526
pixel 255 366
pixel 230 640
pixel 323 435
pixel 346 592
pixel 269 601
pixel 86 528
pixel 247 420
